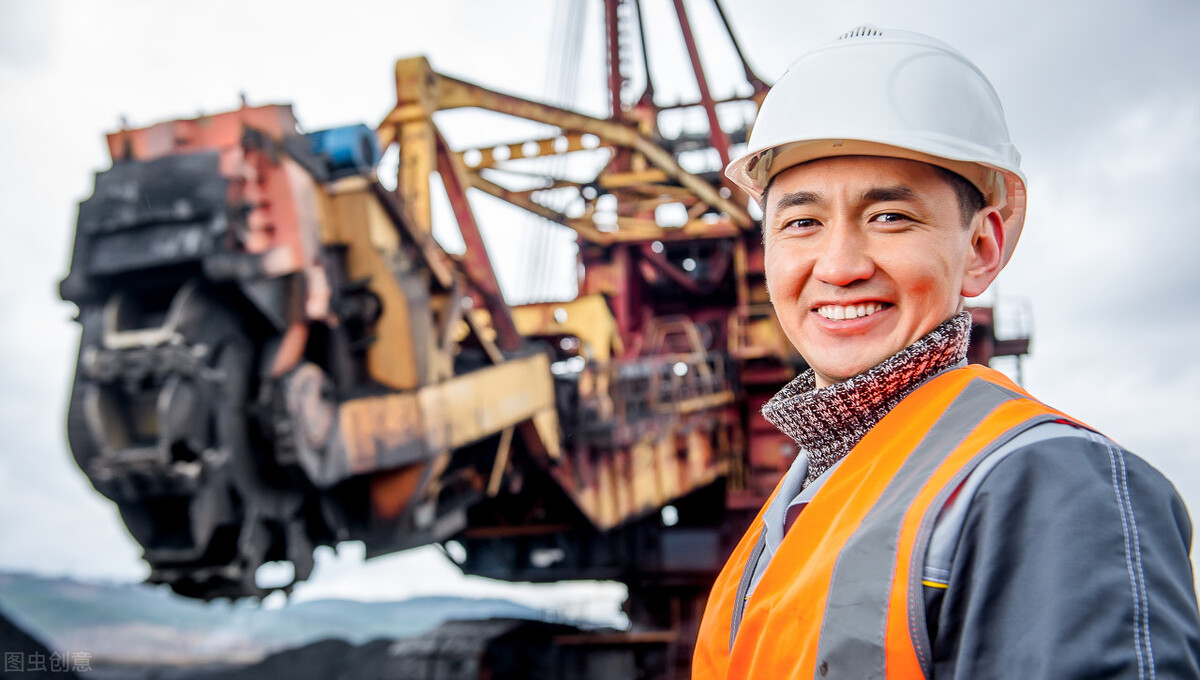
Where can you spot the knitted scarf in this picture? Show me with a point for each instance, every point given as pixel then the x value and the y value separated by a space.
pixel 826 423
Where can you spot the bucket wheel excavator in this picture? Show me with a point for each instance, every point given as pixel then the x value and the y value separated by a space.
pixel 276 354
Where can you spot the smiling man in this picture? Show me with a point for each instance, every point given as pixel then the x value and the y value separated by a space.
pixel 939 522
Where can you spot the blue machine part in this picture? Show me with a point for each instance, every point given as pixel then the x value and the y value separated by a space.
pixel 348 150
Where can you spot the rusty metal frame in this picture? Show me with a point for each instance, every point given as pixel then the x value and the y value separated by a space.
pixel 678 441
pixel 442 93
pixel 720 141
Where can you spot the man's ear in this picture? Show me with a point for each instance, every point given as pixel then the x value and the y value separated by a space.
pixel 986 256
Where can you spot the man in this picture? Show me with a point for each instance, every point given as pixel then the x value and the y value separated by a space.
pixel 939 522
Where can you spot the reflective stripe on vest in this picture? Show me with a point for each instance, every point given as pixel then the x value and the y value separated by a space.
pixel 841 597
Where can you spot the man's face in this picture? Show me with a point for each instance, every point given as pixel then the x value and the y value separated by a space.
pixel 865 255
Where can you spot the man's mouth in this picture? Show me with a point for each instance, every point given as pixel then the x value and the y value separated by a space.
pixel 847 312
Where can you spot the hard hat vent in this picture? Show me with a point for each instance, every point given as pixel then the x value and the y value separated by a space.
pixel 861 32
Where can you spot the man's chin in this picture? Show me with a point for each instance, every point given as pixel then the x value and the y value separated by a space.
pixel 840 368
pixel 828 376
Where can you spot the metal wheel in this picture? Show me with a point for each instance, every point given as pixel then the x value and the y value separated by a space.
pixel 160 421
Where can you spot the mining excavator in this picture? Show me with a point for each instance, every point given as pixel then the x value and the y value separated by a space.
pixel 276 354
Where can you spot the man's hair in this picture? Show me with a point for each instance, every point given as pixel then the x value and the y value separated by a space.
pixel 970 198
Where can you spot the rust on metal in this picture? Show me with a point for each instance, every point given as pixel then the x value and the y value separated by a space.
pixel 392 491
pixel 372 427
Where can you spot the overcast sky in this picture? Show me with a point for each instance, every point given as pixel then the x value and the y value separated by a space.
pixel 1103 100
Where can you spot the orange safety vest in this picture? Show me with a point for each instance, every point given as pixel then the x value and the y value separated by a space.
pixel 842 595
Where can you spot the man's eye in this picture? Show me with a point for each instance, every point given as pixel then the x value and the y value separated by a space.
pixel 891 217
pixel 802 223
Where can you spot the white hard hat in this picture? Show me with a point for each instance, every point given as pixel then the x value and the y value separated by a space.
pixel 880 92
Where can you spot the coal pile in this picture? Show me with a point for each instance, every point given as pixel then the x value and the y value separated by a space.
pixel 24 656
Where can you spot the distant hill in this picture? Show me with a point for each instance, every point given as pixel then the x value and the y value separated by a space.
pixel 150 625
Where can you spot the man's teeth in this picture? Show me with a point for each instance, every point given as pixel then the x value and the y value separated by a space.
pixel 842 313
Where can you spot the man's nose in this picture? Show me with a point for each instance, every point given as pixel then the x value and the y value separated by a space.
pixel 843 257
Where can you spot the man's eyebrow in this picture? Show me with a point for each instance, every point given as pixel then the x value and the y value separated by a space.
pixel 797 198
pixel 899 192
pixel 883 194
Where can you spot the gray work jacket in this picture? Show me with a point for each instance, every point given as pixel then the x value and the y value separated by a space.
pixel 1061 556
